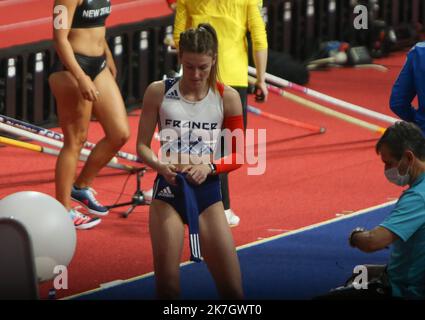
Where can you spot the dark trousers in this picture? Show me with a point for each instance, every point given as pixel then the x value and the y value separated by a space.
pixel 224 179
pixel 378 287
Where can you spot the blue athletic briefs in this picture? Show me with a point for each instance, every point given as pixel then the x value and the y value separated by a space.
pixel 189 201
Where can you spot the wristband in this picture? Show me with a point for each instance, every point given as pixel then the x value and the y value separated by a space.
pixel 356 230
pixel 213 168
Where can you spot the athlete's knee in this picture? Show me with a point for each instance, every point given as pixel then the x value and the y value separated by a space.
pixel 167 280
pixel 76 140
pixel 119 138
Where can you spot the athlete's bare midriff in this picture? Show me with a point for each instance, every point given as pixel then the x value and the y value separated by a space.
pixel 88 41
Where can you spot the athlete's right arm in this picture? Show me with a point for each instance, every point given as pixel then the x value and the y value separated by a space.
pixel 64 48
pixel 147 124
pixel 180 22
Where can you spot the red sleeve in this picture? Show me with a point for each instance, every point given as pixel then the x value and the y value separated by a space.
pixel 220 88
pixel 234 136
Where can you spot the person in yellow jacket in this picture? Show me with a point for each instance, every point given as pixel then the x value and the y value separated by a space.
pixel 231 19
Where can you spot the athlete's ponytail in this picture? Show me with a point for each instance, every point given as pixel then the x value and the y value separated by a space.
pixel 204 40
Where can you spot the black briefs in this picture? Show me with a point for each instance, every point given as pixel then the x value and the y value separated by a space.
pixel 92 66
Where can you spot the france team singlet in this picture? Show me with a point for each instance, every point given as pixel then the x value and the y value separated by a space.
pixel 188 127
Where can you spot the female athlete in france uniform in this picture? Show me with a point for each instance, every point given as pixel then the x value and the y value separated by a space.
pixel 191 113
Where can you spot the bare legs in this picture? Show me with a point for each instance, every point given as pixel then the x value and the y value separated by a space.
pixel 74 117
pixel 167 234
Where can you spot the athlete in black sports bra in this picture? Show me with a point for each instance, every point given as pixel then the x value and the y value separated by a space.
pixel 91 14
pixel 84 81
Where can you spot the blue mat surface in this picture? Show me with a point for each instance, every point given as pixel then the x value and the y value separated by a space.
pixel 296 266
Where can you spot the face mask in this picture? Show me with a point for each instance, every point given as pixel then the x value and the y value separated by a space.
pixel 395 177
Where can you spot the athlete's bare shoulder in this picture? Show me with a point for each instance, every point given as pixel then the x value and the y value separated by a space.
pixel 231 102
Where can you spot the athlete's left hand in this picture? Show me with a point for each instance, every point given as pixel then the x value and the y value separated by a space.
pixel 197 173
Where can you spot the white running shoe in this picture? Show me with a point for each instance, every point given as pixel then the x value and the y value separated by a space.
pixel 232 218
pixel 148 196
pixel 82 221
